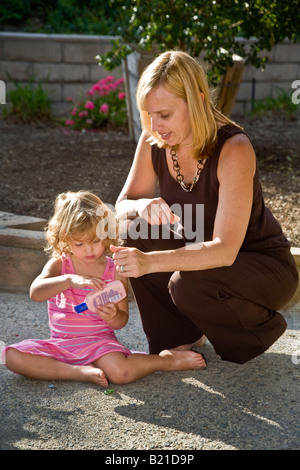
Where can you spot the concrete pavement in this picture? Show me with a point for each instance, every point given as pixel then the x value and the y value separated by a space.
pixel 225 407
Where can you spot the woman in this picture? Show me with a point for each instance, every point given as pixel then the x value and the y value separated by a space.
pixel 230 269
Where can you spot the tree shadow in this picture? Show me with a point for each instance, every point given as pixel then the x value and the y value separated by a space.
pixel 31 415
pixel 253 406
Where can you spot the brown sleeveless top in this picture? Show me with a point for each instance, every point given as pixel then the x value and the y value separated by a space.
pixel 264 233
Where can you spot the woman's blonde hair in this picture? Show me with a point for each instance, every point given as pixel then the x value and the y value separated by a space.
pixel 183 76
pixel 77 215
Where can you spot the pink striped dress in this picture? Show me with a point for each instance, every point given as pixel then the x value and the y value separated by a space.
pixel 75 338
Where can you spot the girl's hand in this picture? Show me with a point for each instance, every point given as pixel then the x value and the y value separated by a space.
pixel 156 211
pixel 130 262
pixel 80 282
pixel 108 312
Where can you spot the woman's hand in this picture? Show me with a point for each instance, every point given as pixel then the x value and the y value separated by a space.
pixel 156 211
pixel 130 262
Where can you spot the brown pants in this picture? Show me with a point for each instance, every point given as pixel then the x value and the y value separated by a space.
pixel 234 307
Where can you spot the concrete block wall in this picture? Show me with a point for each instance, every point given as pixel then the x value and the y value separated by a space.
pixel 66 66
pixel 282 69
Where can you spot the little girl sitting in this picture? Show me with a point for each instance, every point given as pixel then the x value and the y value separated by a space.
pixel 84 347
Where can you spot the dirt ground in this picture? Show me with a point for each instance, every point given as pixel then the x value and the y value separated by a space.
pixel 38 162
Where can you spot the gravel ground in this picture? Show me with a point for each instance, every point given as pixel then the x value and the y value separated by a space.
pixel 37 163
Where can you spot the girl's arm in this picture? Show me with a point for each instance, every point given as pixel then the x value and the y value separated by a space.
pixel 235 174
pixel 51 282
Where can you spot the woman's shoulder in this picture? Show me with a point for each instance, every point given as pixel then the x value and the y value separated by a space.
pixel 230 134
pixel 229 130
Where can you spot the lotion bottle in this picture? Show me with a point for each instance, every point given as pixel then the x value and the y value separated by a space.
pixel 113 292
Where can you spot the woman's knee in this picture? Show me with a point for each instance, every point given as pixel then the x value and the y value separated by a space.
pixel 185 287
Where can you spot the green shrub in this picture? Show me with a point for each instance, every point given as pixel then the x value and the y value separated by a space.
pixel 280 106
pixel 29 104
pixel 60 16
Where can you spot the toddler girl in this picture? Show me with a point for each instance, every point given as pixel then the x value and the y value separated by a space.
pixel 84 347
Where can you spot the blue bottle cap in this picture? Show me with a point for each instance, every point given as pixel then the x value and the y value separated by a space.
pixel 81 307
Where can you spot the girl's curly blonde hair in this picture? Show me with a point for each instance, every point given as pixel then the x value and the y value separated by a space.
pixel 77 215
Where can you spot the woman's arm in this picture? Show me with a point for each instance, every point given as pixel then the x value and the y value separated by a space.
pixel 235 174
pixel 137 195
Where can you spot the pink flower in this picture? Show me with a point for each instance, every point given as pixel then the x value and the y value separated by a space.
pixel 121 95
pixel 93 89
pixel 69 98
pixel 104 108
pixel 83 114
pixel 119 81
pixel 105 89
pixel 69 122
pixel 89 105
pixel 109 78
pixel 74 112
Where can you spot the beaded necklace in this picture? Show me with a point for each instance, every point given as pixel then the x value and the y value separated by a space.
pixel 187 187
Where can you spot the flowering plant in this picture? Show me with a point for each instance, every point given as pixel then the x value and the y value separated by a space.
pixel 105 104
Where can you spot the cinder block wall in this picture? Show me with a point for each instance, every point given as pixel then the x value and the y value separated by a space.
pixel 282 69
pixel 66 66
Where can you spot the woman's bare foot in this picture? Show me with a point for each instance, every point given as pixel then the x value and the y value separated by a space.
pixel 183 360
pixel 94 375
pixel 187 347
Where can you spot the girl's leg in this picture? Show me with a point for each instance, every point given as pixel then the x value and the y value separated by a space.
pixel 122 369
pixel 47 368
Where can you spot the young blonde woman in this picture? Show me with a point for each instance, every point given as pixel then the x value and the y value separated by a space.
pixel 84 347
pixel 231 269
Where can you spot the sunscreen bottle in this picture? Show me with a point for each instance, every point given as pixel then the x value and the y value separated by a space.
pixel 113 292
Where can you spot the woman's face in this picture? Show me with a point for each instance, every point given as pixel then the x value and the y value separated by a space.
pixel 169 116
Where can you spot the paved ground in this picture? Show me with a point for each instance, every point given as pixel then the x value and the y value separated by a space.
pixel 225 407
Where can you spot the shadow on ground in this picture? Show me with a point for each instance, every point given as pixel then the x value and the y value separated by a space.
pixel 227 406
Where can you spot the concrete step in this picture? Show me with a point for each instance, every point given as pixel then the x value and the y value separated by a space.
pixel 21 250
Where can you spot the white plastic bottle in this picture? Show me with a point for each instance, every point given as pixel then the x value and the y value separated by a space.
pixel 113 292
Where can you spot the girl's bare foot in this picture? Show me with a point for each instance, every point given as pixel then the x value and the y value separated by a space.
pixel 94 375
pixel 187 347
pixel 183 360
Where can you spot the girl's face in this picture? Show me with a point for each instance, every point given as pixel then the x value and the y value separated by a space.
pixel 169 116
pixel 86 249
